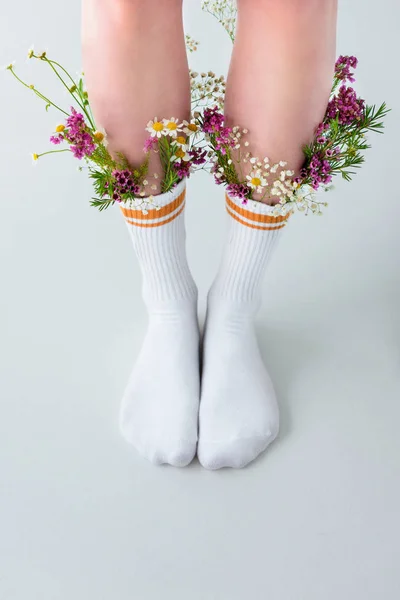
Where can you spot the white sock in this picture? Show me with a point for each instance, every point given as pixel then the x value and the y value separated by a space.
pixel 239 414
pixel 159 413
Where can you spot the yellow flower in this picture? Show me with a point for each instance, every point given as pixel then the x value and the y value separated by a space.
pixel 72 89
pixel 60 128
pixel 35 156
pixel 180 140
pixel 31 52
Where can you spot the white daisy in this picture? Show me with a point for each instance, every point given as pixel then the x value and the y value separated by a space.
pixel 256 181
pixel 100 135
pixel 189 127
pixel 181 142
pixel 155 128
pixel 172 127
pixel 180 155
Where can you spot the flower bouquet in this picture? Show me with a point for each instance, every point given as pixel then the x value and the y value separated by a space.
pixel 180 145
pixel 337 149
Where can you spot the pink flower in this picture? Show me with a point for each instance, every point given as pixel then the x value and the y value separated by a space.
pixel 150 144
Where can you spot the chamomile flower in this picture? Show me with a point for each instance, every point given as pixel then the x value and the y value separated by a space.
pixel 9 67
pixel 172 127
pixel 189 127
pixel 181 141
pixel 35 158
pixel 256 180
pixel 180 155
pixel 155 128
pixel 100 135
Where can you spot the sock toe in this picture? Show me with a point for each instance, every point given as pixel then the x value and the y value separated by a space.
pixel 235 454
pixel 176 454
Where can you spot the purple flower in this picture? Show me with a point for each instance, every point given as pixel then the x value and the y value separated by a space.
pixel 332 151
pixel 124 182
pixel 182 169
pixel 346 107
pixel 57 139
pixel 343 66
pixel 318 170
pixel 213 123
pixel 239 190
pixel 213 120
pixel 320 132
pixel 75 121
pixel 219 177
pixel 224 140
pixel 198 156
pixel 78 135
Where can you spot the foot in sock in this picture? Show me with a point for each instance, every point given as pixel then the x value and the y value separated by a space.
pixel 239 415
pixel 159 412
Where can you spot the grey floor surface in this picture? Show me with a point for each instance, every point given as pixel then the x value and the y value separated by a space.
pixel 81 515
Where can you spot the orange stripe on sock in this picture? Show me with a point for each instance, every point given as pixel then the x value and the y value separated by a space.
pixel 255 217
pixel 159 223
pixel 253 226
pixel 137 213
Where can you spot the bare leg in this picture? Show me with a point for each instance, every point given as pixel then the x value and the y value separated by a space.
pixel 281 74
pixel 278 87
pixel 136 68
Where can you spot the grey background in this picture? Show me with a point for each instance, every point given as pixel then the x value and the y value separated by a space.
pixel 81 515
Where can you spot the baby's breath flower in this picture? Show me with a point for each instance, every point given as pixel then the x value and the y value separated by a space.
pixel 191 44
pixel 225 12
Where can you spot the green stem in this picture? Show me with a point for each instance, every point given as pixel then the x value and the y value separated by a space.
pixel 53 152
pixel 52 63
pixel 39 94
